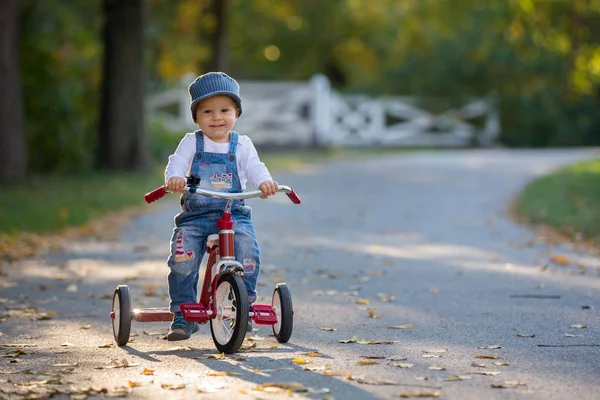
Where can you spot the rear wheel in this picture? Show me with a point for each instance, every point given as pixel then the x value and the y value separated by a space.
pixel 228 327
pixel 121 307
pixel 282 304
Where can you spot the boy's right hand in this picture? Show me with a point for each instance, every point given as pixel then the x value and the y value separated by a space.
pixel 176 184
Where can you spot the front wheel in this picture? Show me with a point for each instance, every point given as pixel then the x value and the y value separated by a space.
pixel 121 307
pixel 282 304
pixel 228 327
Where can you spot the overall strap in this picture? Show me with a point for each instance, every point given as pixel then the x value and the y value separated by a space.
pixel 195 169
pixel 233 141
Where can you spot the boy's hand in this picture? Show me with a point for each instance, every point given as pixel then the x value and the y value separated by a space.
pixel 269 188
pixel 176 184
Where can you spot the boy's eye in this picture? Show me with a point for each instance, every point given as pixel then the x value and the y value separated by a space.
pixel 225 110
pixel 206 111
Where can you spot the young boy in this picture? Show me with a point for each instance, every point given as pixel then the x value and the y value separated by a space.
pixel 225 161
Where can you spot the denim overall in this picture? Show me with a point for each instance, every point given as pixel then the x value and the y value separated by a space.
pixel 197 220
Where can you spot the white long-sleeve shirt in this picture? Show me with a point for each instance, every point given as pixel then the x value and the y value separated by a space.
pixel 251 171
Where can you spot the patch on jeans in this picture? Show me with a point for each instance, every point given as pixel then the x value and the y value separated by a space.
pixel 249 265
pixel 180 253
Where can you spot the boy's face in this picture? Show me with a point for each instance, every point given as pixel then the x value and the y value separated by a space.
pixel 216 117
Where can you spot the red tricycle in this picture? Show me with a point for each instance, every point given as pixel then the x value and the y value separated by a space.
pixel 223 300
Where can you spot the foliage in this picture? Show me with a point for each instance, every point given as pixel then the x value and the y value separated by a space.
pixel 60 55
pixel 540 59
pixel 566 200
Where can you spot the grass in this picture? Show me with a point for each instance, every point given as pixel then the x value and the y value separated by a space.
pixel 566 200
pixel 46 205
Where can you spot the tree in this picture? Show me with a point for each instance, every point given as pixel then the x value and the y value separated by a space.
pixel 220 46
pixel 12 141
pixel 122 137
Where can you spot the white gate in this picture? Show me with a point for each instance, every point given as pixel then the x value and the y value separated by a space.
pixel 311 113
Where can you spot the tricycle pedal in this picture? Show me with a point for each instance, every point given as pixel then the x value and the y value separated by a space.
pixel 264 314
pixel 194 312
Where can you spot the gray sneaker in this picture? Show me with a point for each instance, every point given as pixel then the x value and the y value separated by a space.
pixel 181 329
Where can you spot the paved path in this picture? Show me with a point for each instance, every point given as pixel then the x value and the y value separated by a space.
pixel 423 237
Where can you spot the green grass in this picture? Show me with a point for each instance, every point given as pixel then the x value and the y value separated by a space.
pixel 50 204
pixel 567 200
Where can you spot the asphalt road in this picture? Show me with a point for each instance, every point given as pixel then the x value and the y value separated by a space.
pixel 424 238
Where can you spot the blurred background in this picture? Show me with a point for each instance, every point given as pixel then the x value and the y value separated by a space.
pixel 86 84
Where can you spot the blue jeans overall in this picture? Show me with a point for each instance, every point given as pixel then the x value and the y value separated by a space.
pixel 197 220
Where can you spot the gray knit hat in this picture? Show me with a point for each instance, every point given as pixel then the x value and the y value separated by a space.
pixel 212 84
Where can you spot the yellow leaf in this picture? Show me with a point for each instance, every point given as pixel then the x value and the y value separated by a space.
pixel 106 346
pixel 366 362
pixel 560 260
pixel 148 371
pixel 328 329
pixel 299 361
pixel 487 357
pixel 313 354
pixel 362 301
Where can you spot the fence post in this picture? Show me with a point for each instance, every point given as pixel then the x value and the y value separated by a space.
pixel 320 111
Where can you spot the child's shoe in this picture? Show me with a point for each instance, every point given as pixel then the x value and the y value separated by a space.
pixel 250 326
pixel 181 329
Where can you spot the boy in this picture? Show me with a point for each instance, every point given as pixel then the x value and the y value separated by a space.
pixel 225 161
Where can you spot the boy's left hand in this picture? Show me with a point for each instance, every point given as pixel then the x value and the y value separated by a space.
pixel 269 188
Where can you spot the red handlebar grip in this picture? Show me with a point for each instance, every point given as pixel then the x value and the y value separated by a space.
pixel 294 197
pixel 156 194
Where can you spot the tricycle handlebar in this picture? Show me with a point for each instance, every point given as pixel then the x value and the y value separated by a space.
pixel 158 193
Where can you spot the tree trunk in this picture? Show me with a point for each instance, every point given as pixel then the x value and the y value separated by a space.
pixel 220 48
pixel 12 141
pixel 123 140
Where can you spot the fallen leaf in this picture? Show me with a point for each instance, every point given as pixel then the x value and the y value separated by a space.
pixel 362 301
pixel 526 335
pixel 419 394
pixel 67 344
pixel 313 354
pixel 173 387
pixel 372 313
pixel 181 348
pixel 436 368
pixel 560 260
pixel 65 365
pixel 385 297
pixel 367 362
pixel 490 373
pixel 137 384
pixel 374 357
pixel 403 365
pixel 148 371
pixel 491 347
pixel 569 335
pixel 85 327
pixel 487 356
pixel 106 346
pixel 223 373
pixel 431 355
pixel 476 364
pixel 408 326
pixel 507 384
pixel 578 326
pixel 501 363
pixel 328 329
pixel 421 378
pixel 291 386
pixel 298 360
pixel 456 378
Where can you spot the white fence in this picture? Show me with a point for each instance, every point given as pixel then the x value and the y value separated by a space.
pixel 311 113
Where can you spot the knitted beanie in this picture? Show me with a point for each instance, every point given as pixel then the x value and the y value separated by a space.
pixel 212 84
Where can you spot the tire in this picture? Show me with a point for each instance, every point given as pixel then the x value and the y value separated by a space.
pixel 121 323
pixel 282 304
pixel 228 331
